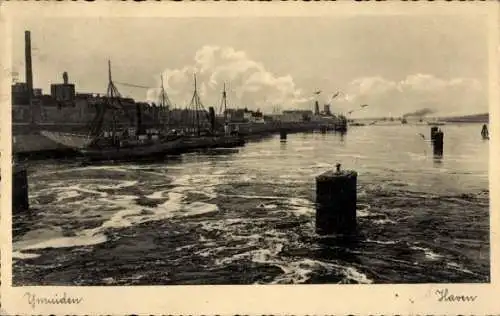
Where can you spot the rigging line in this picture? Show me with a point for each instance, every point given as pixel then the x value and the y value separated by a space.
pixel 133 85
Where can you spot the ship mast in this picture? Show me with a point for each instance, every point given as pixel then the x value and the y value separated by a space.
pixel 112 94
pixel 223 105
pixel 165 104
pixel 196 106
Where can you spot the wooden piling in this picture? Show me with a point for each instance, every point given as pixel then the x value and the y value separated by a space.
pixel 336 199
pixel 437 144
pixel 283 135
pixel 20 196
pixel 434 130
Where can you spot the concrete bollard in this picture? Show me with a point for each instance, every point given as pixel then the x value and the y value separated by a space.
pixel 283 135
pixel 434 130
pixel 20 196
pixel 437 144
pixel 336 199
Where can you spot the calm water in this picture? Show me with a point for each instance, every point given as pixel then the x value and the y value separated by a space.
pixel 247 216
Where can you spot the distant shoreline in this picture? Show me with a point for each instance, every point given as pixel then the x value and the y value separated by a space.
pixel 474 118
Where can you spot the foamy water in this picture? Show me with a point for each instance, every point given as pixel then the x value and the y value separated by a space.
pixel 248 216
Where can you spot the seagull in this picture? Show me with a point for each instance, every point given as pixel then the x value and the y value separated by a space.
pixel 422 135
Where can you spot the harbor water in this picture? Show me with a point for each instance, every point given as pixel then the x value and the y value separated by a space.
pixel 246 216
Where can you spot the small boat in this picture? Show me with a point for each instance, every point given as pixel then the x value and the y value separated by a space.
pixel 404 121
pixel 357 124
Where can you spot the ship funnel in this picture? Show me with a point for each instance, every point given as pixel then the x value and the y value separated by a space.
pixel 29 70
pixel 65 77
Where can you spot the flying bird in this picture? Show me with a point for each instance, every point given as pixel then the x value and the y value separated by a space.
pixel 422 135
pixel 317 92
pixel 364 105
pixel 335 95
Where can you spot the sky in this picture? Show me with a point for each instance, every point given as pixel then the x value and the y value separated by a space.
pixel 394 64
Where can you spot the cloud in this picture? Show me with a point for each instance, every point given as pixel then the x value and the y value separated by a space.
pixel 415 93
pixel 248 82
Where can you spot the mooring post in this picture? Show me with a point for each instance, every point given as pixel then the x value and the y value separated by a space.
pixel 434 130
pixel 336 199
pixel 283 135
pixel 438 143
pixel 20 196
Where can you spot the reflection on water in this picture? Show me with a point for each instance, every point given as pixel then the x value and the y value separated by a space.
pixel 247 216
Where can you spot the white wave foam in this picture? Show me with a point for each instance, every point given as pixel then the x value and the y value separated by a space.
pixel 264 197
pixel 389 242
pixel 155 195
pixel 429 254
pixel 198 208
pixel 67 194
pixel 459 267
pixel 20 255
pixel 63 242
pixel 383 221
pixel 352 274
pixel 90 191
pixel 120 185
pixel 362 213
pixel 301 206
pixel 128 215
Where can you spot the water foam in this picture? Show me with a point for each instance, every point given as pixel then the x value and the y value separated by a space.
pixel 129 213
pixel 429 254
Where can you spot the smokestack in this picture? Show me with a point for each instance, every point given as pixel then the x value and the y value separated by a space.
pixel 29 70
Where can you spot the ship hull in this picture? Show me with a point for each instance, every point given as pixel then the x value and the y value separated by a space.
pixel 152 151
pixel 162 149
pixel 27 139
pixel 68 140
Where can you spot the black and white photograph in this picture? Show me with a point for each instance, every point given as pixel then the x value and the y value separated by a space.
pixel 250 150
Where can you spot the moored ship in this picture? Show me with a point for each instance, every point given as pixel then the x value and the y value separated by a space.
pixel 138 142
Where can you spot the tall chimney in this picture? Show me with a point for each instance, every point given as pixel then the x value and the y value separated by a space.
pixel 29 70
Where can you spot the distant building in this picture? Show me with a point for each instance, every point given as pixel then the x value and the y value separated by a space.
pixel 244 115
pixel 296 116
pixel 63 92
pixel 20 94
pixel 253 116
